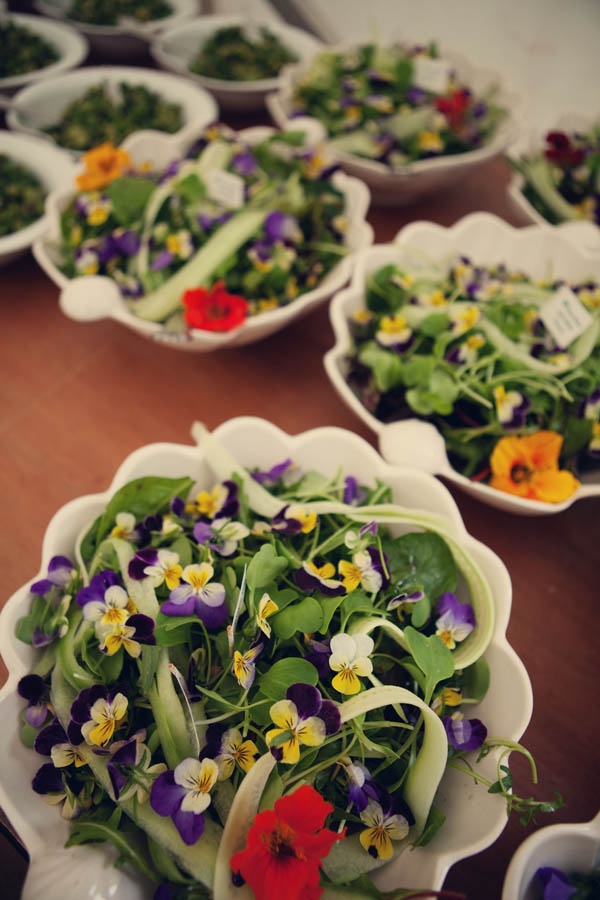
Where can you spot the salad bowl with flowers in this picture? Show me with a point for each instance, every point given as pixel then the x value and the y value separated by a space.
pixel 215 241
pixel 450 345
pixel 262 657
pixel 409 120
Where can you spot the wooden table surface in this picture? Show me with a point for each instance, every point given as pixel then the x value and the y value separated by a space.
pixel 76 399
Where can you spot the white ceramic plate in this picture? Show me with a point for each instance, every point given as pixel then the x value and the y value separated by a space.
pixel 475 818
pixel 417 179
pixel 71 47
pixel 486 239
pixel 175 49
pixel 585 233
pixel 91 298
pixel 568 847
pixel 124 42
pixel 51 166
pixel 41 105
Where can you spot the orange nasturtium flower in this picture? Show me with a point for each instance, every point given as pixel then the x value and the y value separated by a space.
pixel 528 467
pixel 102 165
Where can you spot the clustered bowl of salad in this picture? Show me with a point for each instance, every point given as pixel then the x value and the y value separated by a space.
pixel 33 47
pixel 206 243
pixel 29 170
pixel 259 619
pixel 238 60
pixel 407 119
pixel 119 30
pixel 474 352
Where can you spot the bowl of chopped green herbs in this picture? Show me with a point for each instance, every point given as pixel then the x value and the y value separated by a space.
pixel 34 47
pixel 30 169
pixel 83 109
pixel 237 60
pixel 119 30
pixel 408 119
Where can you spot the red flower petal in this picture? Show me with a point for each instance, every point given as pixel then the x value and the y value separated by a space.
pixel 213 309
pixel 305 810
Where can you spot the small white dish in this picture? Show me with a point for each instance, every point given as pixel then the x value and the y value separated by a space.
pixel 71 47
pixel 51 166
pixel 42 105
pixel 417 179
pixel 175 49
pixel 568 847
pixel 485 239
pixel 90 298
pixel 127 41
pixel 474 817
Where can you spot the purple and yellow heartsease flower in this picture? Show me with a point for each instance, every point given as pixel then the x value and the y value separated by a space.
pixel 312 577
pixel 294 519
pixel 184 794
pixel 303 718
pixel 160 566
pixel 455 620
pixel 464 734
pixel 196 595
pixel 350 659
pixel 384 826
pixel 244 665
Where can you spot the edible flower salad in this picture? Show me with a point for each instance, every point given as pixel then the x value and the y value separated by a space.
pixel 562 177
pixel 396 104
pixel 474 350
pixel 258 682
pixel 229 231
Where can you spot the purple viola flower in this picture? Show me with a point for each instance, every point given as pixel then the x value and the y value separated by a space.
pixel 314 578
pixel 221 535
pixel 171 169
pixel 162 260
pixel 98 586
pixel 48 780
pixel 318 654
pixel 303 704
pixel 464 734
pixel 34 689
pixel 281 226
pixel 455 621
pixel 184 794
pixel 415 95
pixel 196 596
pixel 555 884
pixel 244 163
pixel 361 787
pixel 148 556
pixel 354 494
pixel 59 574
pixel 405 597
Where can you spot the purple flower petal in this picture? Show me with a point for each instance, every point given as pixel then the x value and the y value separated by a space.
pixel 189 825
pixel 330 714
pixel 306 698
pixel 48 737
pixel 465 734
pixel 143 558
pixel 555 883
pixel 144 628
pixel 98 587
pixel 162 260
pixel 212 616
pixel 166 795
pixel 48 780
pixel 32 688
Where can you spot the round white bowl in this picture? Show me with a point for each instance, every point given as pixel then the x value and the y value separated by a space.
pixel 568 847
pixel 127 41
pixel 584 233
pixel 90 298
pixel 475 818
pixel 175 49
pixel 41 105
pixel 485 239
pixel 51 166
pixel 71 47
pixel 418 179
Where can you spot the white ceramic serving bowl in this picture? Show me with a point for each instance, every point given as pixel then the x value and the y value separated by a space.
pixel 127 41
pixel 71 47
pixel 475 818
pixel 568 847
pixel 584 233
pixel 175 49
pixel 90 298
pixel 41 105
pixel 51 166
pixel 486 239
pixel 418 179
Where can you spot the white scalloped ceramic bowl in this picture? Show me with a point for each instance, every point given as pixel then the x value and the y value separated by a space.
pixel 43 104
pixel 585 233
pixel 175 49
pixel 71 47
pixel 486 239
pixel 51 166
pixel 127 41
pixel 475 818
pixel 569 847
pixel 411 182
pixel 90 298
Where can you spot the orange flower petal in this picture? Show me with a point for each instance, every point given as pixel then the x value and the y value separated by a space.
pixel 543 449
pixel 554 486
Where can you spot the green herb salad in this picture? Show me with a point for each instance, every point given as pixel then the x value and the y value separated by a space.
pixel 110 12
pixel 239 53
pixel 22 196
pixel 23 50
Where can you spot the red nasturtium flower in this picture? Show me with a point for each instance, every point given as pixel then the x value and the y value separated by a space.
pixel 528 467
pixel 213 309
pixel 285 846
pixel 454 106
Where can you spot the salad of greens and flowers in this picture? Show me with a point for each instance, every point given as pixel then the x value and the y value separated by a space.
pixel 556 884
pixel 239 53
pixel 562 178
pixel 22 50
pixel 229 231
pixel 106 112
pixel 110 12
pixel 395 104
pixel 470 348
pixel 22 196
pixel 260 681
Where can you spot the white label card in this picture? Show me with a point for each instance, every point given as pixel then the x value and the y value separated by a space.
pixel 431 74
pixel 225 188
pixel 565 316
